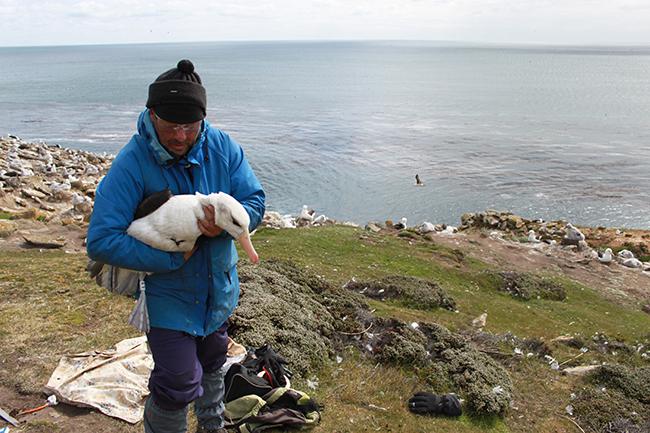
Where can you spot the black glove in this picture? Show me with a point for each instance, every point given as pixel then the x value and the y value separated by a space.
pixel 426 403
pixel 273 364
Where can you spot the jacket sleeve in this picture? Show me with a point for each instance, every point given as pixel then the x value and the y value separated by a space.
pixel 244 184
pixel 116 199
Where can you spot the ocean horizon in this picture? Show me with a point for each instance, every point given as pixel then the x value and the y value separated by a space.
pixel 552 132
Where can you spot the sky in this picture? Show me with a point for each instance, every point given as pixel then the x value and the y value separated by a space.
pixel 562 22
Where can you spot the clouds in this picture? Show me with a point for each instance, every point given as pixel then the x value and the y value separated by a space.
pixel 31 22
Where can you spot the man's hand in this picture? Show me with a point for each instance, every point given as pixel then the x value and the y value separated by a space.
pixel 188 254
pixel 207 225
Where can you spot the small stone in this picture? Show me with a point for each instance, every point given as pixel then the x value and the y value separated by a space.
pixel 32 193
pixel 7 227
pixel 41 241
pixel 581 370
pixel 373 227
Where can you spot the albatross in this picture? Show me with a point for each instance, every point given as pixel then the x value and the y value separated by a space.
pixel 532 238
pixel 606 257
pixel 169 222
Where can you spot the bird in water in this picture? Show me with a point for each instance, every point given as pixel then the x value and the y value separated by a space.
pixel 418 182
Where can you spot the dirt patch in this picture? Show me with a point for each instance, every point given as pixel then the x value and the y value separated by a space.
pixel 494 345
pixel 72 235
pixel 411 292
pixel 60 418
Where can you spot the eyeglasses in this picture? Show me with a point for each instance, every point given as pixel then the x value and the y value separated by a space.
pixel 175 127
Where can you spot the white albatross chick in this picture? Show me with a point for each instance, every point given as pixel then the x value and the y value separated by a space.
pixel 532 238
pixel 625 254
pixel 306 214
pixel 573 234
pixel 173 226
pixel 632 263
pixel 606 257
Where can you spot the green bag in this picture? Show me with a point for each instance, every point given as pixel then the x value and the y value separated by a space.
pixel 281 407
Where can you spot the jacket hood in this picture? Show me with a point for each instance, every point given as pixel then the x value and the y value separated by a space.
pixel 147 131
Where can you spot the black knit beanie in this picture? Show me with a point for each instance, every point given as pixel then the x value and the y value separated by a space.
pixel 177 95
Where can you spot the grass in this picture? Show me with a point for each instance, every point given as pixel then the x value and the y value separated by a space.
pixel 341 253
pixel 48 307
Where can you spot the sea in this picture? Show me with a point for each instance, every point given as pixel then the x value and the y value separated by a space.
pixel 343 127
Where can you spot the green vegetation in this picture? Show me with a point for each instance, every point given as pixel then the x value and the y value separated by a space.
pixel 48 307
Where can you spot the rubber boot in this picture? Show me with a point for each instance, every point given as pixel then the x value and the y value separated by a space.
pixel 159 420
pixel 209 407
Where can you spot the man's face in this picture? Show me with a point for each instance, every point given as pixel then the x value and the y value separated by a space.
pixel 177 138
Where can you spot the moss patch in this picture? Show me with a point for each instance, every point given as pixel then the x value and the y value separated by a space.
pixel 410 292
pixel 595 409
pixel 276 310
pixel 632 382
pixel 448 362
pixel 527 286
pixel 306 319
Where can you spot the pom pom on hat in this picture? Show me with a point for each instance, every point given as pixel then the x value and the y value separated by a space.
pixel 178 95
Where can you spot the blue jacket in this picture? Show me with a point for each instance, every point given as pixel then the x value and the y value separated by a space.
pixel 196 296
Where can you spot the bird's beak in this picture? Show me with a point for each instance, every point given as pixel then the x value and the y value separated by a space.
pixel 245 241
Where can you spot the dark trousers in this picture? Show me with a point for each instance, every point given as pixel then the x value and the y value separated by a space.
pixel 180 360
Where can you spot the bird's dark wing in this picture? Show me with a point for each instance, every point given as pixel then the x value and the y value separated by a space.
pixel 152 202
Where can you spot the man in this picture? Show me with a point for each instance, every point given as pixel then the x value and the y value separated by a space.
pixel 189 296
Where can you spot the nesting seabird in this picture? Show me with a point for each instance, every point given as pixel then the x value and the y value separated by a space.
pixel 606 257
pixel 573 234
pixel 532 238
pixel 625 254
pixel 401 224
pixel 306 213
pixel 632 263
